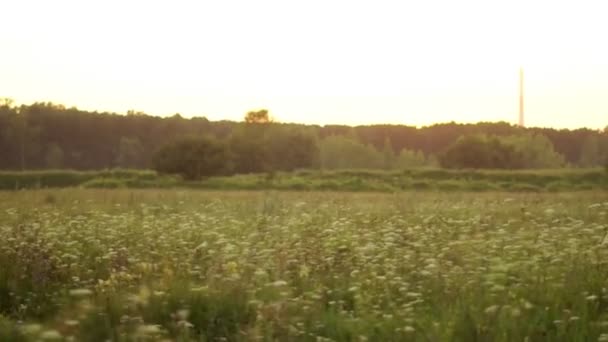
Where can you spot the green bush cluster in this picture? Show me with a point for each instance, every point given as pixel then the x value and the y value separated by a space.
pixel 344 180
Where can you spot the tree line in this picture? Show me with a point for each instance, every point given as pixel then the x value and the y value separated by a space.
pixel 47 135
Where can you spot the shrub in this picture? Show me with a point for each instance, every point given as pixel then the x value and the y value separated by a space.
pixel 193 158
pixel 104 183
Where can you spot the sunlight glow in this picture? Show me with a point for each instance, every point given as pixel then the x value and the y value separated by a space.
pixel 351 62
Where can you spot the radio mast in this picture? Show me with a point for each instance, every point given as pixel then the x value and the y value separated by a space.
pixel 521 97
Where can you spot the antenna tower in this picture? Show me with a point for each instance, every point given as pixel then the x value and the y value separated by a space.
pixel 521 97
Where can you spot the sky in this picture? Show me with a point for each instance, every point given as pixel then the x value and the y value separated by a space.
pixel 322 62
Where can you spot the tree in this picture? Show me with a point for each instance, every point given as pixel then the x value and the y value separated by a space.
pixel 54 156
pixel 590 152
pixel 248 150
pixel 506 152
pixel 408 159
pixel 536 150
pixel 290 149
pixel 388 153
pixel 604 148
pixel 259 117
pixel 22 135
pixel 339 152
pixel 480 152
pixel 130 151
pixel 6 102
pixel 193 158
pixel 89 139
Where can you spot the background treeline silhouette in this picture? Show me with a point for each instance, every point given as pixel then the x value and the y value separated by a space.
pixel 50 136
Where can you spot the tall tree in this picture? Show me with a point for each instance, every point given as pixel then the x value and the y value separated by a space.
pixel 130 151
pixel 388 153
pixel 408 159
pixel 537 151
pixel 54 156
pixel 339 152
pixel 260 117
pixel 591 154
pixel 480 152
pixel 23 135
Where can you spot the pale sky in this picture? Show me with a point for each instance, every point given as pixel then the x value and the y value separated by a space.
pixel 351 62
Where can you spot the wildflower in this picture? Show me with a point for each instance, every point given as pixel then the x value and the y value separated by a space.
pixel 304 271
pixel 149 329
pixel 51 335
pixel 490 310
pixel 183 314
pixel 278 283
pixel 409 329
pixel 528 305
pixel 79 293
pixel 144 294
pixel 231 267
pixel 260 273
pixel 71 323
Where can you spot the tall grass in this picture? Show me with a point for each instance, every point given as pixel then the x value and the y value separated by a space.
pixel 186 265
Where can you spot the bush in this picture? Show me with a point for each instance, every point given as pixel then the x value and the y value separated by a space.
pixel 479 151
pixel 496 152
pixel 522 187
pixel 450 185
pixel 104 183
pixel 193 158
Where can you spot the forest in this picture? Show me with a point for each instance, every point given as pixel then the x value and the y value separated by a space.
pixel 51 136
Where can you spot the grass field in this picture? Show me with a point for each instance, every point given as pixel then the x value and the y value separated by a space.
pixel 147 265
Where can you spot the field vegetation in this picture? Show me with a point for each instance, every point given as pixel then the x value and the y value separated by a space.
pixel 186 265
pixel 314 180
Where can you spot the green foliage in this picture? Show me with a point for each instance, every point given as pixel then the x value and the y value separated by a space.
pixel 339 180
pixel 481 152
pixel 388 154
pixel 130 151
pixel 258 117
pixel 105 183
pixel 65 178
pixel 530 151
pixel 339 152
pixel 21 135
pixel 31 137
pixel 54 157
pixel 290 149
pixel 408 159
pixel 272 147
pixel 193 158
pixel 249 152
pixel 536 150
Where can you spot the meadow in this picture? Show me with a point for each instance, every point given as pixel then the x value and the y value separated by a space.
pixel 190 265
